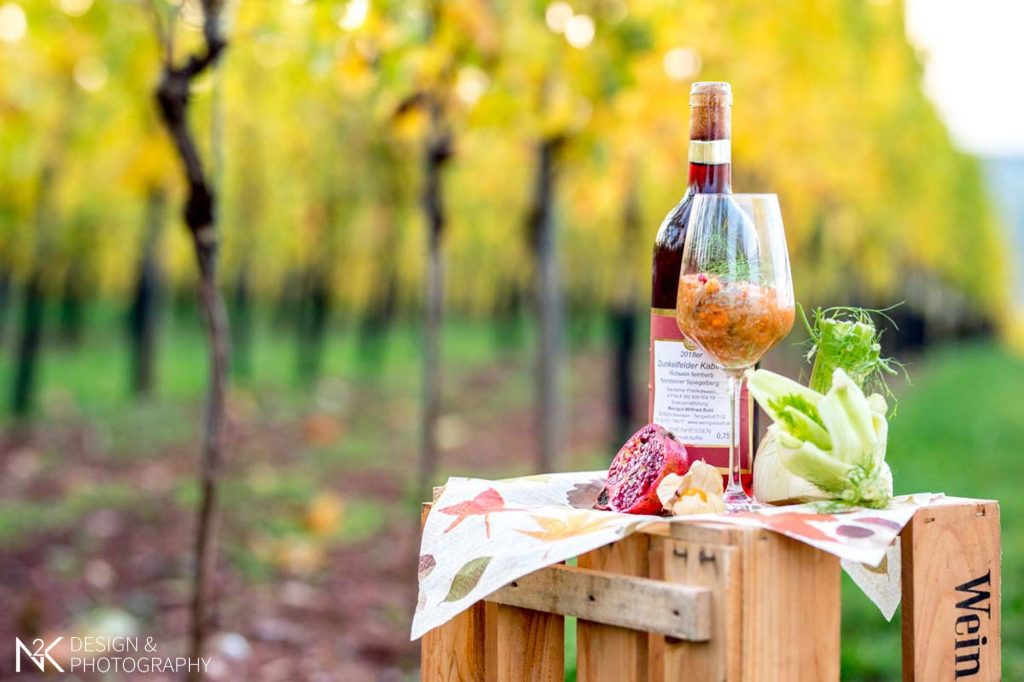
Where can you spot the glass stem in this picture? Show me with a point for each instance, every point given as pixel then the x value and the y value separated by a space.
pixel 735 386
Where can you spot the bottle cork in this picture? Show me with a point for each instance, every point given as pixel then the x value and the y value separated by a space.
pixel 710 111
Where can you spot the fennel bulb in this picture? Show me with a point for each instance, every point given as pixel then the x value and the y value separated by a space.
pixel 829 446
pixel 774 483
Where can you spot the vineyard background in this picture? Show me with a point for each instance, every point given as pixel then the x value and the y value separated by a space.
pixel 555 135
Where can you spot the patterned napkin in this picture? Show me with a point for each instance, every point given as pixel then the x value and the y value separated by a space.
pixel 481 535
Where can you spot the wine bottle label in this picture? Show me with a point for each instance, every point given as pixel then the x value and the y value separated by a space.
pixel 689 396
pixel 711 152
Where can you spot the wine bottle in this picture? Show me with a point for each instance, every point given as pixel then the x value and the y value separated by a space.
pixel 688 393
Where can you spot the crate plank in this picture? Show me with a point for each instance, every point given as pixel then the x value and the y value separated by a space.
pixel 524 645
pixel 951 593
pixel 454 652
pixel 715 566
pixel 606 653
pixel 656 642
pixel 791 610
pixel 642 604
pixel 695 531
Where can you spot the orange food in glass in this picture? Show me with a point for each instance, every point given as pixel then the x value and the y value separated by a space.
pixel 734 322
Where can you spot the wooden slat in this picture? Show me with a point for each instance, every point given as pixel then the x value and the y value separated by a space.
pixel 708 533
pixel 524 645
pixel 454 652
pixel 715 566
pixel 791 608
pixel 696 531
pixel 657 546
pixel 951 593
pixel 636 603
pixel 606 652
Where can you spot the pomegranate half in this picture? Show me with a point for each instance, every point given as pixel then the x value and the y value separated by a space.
pixel 648 456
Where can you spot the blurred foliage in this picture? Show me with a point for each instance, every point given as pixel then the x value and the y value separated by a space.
pixel 321 103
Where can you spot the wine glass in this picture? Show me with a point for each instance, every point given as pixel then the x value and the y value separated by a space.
pixel 735 296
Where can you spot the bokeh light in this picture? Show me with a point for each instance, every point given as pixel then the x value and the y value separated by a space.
pixel 557 16
pixel 75 8
pixel 471 84
pixel 13 23
pixel 90 73
pixel 354 15
pixel 681 63
pixel 580 31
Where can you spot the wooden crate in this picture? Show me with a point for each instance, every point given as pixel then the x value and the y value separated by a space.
pixel 711 602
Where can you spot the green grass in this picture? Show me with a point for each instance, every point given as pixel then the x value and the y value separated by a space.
pixel 94 377
pixel 959 430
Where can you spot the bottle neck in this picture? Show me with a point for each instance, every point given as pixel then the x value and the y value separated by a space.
pixel 710 166
pixel 710 179
pixel 710 149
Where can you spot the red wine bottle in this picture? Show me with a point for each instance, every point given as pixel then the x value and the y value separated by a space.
pixel 688 393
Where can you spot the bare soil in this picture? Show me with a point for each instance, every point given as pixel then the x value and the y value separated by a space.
pixel 342 615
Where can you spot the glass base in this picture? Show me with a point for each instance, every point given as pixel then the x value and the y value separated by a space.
pixel 738 501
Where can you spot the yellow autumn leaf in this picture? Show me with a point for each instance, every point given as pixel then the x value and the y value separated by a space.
pixel 299 555
pixel 325 514
pixel 561 528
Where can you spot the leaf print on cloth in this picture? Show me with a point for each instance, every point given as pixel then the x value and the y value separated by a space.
pixel 554 529
pixel 426 565
pixel 797 524
pixel 584 495
pixel 467 578
pixel 881 569
pixel 851 531
pixel 486 503
pixel 887 523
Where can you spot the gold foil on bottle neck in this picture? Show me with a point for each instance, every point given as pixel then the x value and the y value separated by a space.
pixel 711 152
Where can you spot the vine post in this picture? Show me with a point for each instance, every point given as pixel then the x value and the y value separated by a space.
pixel 173 95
